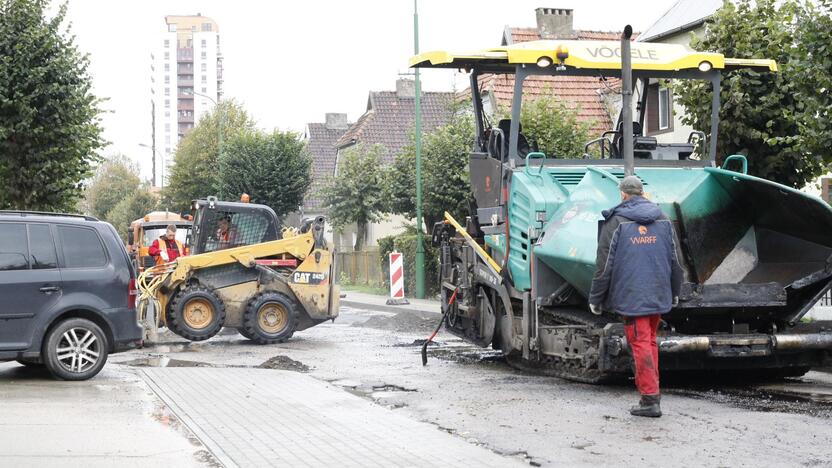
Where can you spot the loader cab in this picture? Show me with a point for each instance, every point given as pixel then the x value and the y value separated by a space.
pixel 220 225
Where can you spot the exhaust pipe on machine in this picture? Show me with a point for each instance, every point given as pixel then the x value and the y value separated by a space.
pixel 627 102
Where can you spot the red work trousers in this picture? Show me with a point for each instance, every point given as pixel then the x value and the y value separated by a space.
pixel 641 334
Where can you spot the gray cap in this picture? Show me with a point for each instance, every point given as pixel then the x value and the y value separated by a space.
pixel 631 185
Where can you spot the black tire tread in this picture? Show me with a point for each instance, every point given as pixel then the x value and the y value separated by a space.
pixel 250 318
pixel 177 325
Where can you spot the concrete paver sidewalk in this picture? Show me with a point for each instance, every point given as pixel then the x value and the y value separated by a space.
pixel 376 302
pixel 260 417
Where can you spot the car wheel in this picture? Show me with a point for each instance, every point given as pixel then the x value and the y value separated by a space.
pixel 196 313
pixel 270 317
pixel 75 349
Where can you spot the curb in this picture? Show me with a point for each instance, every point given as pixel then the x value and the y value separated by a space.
pixel 385 307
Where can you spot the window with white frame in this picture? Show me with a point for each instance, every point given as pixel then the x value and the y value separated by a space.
pixel 204 67
pixel 204 55
pixel 664 108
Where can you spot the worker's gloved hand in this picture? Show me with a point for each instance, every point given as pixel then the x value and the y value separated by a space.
pixel 675 301
pixel 595 309
pixel 164 254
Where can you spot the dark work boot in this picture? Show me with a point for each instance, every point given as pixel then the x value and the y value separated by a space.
pixel 649 407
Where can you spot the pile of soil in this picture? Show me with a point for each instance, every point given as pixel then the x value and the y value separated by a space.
pixel 284 363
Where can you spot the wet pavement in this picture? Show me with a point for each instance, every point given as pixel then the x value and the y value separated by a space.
pixel 473 395
pixel 112 420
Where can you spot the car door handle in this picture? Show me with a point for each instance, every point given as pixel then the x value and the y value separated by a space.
pixel 49 289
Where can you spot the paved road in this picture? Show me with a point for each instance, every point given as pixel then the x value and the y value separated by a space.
pixel 474 395
pixel 112 420
pixel 466 403
pixel 260 417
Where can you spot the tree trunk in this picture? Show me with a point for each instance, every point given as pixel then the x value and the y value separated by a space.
pixel 360 234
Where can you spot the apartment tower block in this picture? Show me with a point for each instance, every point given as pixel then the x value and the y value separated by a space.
pixel 186 76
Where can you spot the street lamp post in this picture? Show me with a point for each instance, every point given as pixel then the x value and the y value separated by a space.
pixel 155 155
pixel 420 248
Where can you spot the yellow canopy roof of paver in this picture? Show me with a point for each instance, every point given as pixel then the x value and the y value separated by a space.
pixel 600 55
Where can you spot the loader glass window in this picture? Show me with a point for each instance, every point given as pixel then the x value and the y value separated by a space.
pixel 227 230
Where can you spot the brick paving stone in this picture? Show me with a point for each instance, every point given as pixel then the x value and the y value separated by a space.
pixel 263 417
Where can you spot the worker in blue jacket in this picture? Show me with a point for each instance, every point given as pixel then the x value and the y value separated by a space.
pixel 638 276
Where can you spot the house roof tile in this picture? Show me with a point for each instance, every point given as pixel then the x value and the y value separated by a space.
pixel 321 146
pixel 389 121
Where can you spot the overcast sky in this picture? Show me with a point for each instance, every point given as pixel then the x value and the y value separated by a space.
pixel 290 62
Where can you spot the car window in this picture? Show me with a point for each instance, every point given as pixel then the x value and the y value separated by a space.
pixel 82 247
pixel 41 247
pixel 14 250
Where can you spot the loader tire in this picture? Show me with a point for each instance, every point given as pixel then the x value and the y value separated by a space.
pixel 270 317
pixel 243 332
pixel 196 313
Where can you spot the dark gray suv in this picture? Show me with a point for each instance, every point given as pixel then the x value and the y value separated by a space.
pixel 67 293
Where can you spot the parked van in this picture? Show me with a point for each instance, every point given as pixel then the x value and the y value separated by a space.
pixel 67 293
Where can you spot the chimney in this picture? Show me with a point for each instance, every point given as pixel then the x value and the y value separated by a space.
pixel 336 121
pixel 554 23
pixel 405 88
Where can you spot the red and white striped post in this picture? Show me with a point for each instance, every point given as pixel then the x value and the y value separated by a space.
pixel 396 279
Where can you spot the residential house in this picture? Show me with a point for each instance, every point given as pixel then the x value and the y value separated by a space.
pixel 685 19
pixel 320 143
pixel 389 121
pixel 589 95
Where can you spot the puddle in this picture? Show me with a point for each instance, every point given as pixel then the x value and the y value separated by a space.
pixel 284 363
pixel 763 399
pixel 164 416
pixel 467 355
pixel 418 343
pixel 162 361
pixel 391 388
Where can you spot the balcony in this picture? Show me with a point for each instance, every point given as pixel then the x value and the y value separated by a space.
pixel 184 55
pixel 181 119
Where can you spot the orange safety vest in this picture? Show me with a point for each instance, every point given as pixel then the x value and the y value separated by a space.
pixel 163 244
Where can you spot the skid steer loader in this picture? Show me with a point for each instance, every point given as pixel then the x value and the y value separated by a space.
pixel 242 273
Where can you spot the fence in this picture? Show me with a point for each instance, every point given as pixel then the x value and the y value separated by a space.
pixel 363 267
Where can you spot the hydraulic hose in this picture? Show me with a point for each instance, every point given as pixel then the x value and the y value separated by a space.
pixel 433 335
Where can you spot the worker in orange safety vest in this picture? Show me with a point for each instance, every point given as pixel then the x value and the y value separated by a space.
pixel 166 248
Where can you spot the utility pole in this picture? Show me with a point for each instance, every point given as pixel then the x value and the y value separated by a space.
pixel 153 139
pixel 420 248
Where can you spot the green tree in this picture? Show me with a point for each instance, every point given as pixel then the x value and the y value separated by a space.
pixel 354 195
pixel 195 171
pixel 554 127
pixel 445 182
pixel 49 127
pixel 135 205
pixel 780 121
pixel 273 168
pixel 114 180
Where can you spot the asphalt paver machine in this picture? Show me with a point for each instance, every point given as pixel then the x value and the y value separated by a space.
pixel 516 273
pixel 243 272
